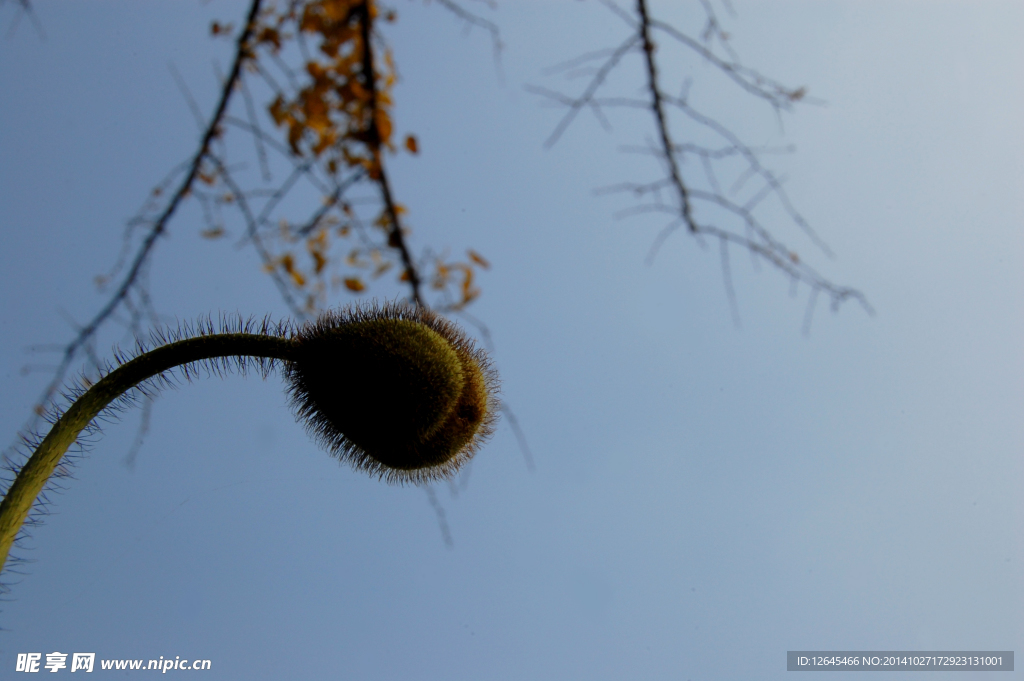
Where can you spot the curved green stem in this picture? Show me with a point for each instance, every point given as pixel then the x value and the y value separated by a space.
pixel 32 477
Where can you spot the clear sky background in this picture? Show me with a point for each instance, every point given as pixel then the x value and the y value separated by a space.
pixel 705 497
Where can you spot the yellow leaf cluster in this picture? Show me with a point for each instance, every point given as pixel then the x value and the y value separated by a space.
pixel 336 114
pixel 456 279
pixel 345 106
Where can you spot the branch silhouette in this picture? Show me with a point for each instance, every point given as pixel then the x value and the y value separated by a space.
pixel 688 205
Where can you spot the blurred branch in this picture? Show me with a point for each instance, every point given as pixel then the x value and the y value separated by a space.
pixel 25 9
pixel 120 298
pixel 472 19
pixel 689 203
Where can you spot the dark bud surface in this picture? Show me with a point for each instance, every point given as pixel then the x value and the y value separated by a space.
pixel 395 390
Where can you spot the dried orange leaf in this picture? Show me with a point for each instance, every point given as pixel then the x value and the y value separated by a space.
pixel 321 261
pixel 478 259
pixel 383 122
pixel 467 283
pixel 354 284
pixel 277 111
pixel 269 35
pixel 411 144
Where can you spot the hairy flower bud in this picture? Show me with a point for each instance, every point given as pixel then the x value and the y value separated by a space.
pixel 394 390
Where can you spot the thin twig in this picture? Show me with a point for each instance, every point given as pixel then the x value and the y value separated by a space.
pixel 442 518
pixel 159 225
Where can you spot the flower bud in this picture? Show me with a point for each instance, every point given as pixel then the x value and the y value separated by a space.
pixel 397 391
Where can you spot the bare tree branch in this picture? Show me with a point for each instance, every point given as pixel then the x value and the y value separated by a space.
pixel 476 20
pixel 687 203
pixel 585 99
pixel 87 332
pixel 25 9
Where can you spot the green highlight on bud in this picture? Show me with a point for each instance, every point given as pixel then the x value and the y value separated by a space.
pixel 394 390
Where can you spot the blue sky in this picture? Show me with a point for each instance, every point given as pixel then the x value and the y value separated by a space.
pixel 705 497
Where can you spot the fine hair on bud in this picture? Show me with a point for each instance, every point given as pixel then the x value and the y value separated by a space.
pixel 394 390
